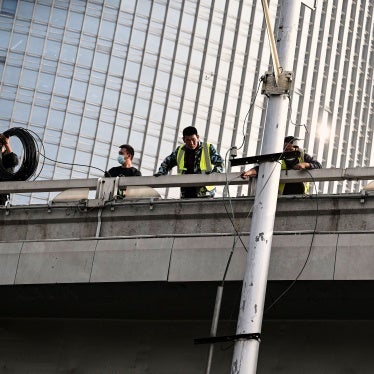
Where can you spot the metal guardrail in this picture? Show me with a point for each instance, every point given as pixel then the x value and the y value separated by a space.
pixel 316 175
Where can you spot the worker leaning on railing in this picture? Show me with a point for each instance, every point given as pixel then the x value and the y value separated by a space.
pixel 302 162
pixel 193 157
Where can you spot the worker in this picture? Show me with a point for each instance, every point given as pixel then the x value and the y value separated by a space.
pixel 9 160
pixel 125 157
pixel 193 157
pixel 302 162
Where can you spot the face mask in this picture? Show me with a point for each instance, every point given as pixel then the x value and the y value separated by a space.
pixel 121 159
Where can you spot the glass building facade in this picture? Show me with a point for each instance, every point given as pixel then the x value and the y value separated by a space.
pixel 88 76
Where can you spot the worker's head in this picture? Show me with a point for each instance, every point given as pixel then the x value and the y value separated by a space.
pixel 289 143
pixel 126 151
pixel 190 137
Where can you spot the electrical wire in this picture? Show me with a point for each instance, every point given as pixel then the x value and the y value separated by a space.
pixel 249 110
pixel 226 187
pixel 310 247
pixel 72 164
pixel 59 162
pixel 283 293
pixel 228 193
pixel 30 160
pixel 290 115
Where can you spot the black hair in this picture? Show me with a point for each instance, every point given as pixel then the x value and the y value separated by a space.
pixel 190 130
pixel 289 139
pixel 129 149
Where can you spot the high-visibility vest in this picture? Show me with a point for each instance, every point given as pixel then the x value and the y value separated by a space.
pixel 205 163
pixel 284 167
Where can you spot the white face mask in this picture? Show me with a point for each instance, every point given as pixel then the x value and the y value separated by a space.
pixel 121 159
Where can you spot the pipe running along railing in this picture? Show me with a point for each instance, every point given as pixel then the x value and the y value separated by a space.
pixel 216 179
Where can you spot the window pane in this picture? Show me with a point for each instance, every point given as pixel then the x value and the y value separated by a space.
pixel 68 53
pixel 18 43
pixel 29 78
pixel 52 49
pixel 39 115
pixel 9 6
pixel 41 13
pixel 12 75
pixel 78 90
pixel 59 17
pixel 21 112
pixel 85 57
pixel 62 86
pixel 35 45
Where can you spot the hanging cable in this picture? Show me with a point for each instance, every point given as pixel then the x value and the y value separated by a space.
pixel 283 293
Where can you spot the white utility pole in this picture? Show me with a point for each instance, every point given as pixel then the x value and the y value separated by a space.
pixel 255 279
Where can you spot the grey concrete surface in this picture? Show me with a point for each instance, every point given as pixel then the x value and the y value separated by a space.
pixel 132 260
pixel 304 256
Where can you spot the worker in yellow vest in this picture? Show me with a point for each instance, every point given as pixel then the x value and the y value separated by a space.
pixel 193 157
pixel 302 162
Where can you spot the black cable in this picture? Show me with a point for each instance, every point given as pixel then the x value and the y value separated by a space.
pixel 29 160
pixel 30 157
pixel 73 164
pixel 58 162
pixel 307 258
pixel 249 110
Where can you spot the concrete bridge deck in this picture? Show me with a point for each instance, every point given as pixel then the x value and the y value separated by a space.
pixel 125 286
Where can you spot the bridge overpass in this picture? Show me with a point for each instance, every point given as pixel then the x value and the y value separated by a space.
pixel 148 268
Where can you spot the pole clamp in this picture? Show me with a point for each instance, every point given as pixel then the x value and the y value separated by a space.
pixel 270 87
pixel 228 338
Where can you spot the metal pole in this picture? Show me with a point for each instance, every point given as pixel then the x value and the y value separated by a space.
pixel 213 329
pixel 255 279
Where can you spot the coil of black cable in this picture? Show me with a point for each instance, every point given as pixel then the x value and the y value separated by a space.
pixel 29 160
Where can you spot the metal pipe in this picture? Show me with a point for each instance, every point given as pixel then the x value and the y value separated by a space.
pixel 98 227
pixel 260 239
pixel 273 47
pixel 333 174
pixel 213 329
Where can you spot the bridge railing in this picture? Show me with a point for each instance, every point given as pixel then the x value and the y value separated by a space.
pixel 316 175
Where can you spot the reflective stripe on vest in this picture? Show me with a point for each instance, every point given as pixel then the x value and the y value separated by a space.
pixel 205 163
pixel 284 167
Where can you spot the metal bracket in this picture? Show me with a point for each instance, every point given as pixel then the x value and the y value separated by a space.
pixel 106 190
pixel 272 157
pixel 228 338
pixel 7 207
pixel 269 86
pixel 364 194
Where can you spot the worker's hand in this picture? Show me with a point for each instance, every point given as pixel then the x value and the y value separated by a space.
pixel 4 140
pixel 302 166
pixel 248 174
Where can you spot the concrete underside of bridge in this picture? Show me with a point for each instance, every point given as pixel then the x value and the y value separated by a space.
pixel 127 287
pixel 185 300
pixel 166 347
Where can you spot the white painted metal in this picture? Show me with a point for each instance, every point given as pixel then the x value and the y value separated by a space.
pixel 254 284
pixel 333 174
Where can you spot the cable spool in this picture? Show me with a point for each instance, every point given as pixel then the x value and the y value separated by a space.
pixel 29 160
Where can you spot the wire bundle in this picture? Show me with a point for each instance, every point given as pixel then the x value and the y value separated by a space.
pixel 29 160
